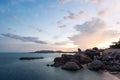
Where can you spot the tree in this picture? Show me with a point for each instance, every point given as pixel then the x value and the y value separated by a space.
pixel 116 45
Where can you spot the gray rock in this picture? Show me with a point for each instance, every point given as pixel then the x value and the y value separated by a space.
pixel 82 58
pixel 71 66
pixel 113 68
pixel 58 61
pixel 92 53
pixel 96 65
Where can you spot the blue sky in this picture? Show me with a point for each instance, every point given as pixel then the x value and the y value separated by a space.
pixel 29 25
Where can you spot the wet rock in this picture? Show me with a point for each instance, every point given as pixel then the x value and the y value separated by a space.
pixel 76 61
pixel 82 58
pixel 71 66
pixel 96 65
pixel 48 65
pixel 77 58
pixel 67 58
pixel 91 53
pixel 113 68
pixel 58 61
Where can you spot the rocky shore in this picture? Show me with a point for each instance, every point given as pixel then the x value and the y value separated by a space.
pixel 95 59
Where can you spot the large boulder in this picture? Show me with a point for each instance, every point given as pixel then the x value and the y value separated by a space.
pixel 71 66
pixel 66 57
pixel 113 68
pixel 77 58
pixel 91 53
pixel 58 61
pixel 111 54
pixel 82 58
pixel 76 61
pixel 96 65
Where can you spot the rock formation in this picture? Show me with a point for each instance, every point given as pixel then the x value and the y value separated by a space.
pixel 71 66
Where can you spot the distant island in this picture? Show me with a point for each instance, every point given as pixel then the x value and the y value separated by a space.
pixel 30 58
pixel 52 51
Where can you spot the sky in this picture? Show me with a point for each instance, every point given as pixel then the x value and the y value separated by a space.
pixel 30 25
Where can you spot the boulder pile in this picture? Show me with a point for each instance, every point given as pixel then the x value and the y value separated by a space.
pixel 94 59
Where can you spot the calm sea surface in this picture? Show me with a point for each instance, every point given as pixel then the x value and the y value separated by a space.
pixel 11 68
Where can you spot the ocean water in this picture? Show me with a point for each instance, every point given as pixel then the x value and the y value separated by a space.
pixel 11 68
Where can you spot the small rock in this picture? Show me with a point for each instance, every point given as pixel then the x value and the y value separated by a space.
pixel 30 58
pixel 48 65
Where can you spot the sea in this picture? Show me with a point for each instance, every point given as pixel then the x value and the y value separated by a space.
pixel 11 68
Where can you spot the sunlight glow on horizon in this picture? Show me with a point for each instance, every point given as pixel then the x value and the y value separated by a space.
pixel 107 43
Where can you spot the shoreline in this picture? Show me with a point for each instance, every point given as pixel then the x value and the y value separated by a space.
pixel 111 76
pixel 117 75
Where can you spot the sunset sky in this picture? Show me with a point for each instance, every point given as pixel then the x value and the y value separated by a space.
pixel 30 25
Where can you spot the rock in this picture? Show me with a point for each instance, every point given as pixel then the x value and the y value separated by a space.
pixel 92 53
pixel 113 68
pixel 67 58
pixel 58 61
pixel 96 65
pixel 30 58
pixel 71 66
pixel 52 65
pixel 76 61
pixel 111 54
pixel 106 57
pixel 79 50
pixel 48 65
pixel 82 58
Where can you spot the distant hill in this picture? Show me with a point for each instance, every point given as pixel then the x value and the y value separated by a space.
pixel 51 51
pixel 45 51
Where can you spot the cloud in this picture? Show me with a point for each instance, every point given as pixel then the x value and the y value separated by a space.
pixel 117 22
pixel 90 26
pixel 108 9
pixel 65 1
pixel 62 26
pixel 101 13
pixel 112 33
pixel 73 16
pixel 59 22
pixel 9 28
pixel 93 33
pixel 25 39
pixel 39 30
pixel 95 1
pixel 66 45
pixel 68 1
pixel 56 37
pixel 21 1
pixel 14 17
